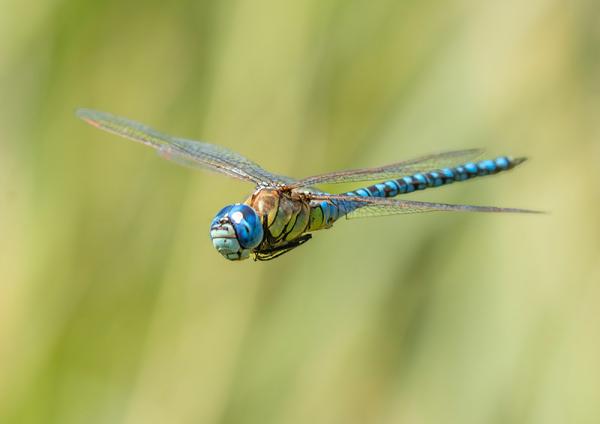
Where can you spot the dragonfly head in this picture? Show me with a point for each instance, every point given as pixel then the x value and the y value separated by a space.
pixel 235 231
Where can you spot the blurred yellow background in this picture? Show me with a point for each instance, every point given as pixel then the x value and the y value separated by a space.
pixel 115 308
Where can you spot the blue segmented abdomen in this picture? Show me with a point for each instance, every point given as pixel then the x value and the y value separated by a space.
pixel 437 178
pixel 328 211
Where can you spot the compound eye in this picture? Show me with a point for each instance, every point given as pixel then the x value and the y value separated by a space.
pixel 223 213
pixel 235 231
pixel 247 225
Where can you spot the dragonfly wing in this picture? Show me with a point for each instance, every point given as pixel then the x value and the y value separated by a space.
pixel 359 207
pixel 209 156
pixel 196 154
pixel 395 170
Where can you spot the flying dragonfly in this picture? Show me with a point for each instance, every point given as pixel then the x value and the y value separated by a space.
pixel 282 212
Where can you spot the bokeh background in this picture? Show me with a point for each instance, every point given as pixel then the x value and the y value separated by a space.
pixel 114 307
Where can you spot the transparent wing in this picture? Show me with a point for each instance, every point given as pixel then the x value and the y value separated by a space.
pixel 359 207
pixel 185 152
pixel 393 171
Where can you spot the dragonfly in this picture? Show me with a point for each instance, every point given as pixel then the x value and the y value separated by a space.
pixel 282 212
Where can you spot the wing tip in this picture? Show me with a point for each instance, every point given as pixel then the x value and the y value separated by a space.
pixel 87 115
pixel 82 112
pixel 525 211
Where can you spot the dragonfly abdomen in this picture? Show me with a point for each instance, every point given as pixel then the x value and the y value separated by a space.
pixel 326 212
pixel 437 178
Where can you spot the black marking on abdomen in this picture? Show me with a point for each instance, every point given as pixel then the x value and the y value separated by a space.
pixel 437 177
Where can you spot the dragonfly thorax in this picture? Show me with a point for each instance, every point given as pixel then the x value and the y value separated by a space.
pixel 285 215
pixel 235 231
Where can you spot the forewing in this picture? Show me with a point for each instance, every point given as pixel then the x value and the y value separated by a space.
pixel 395 170
pixel 359 207
pixel 186 152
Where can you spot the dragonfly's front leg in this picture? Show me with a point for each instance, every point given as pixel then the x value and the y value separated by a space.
pixel 274 252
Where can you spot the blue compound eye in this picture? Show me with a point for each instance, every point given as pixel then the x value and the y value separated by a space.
pixel 247 225
pixel 235 230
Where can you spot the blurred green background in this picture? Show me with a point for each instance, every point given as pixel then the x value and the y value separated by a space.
pixel 115 308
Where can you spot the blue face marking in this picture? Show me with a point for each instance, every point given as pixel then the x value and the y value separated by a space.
pixel 235 231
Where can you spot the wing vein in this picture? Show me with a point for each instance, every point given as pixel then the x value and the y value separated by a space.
pixel 392 171
pixel 191 153
pixel 358 207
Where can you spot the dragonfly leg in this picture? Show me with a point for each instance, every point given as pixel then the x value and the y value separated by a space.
pixel 274 252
